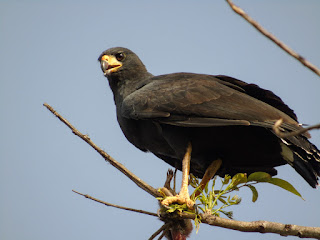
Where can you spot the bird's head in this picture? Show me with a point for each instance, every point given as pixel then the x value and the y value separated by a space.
pixel 121 63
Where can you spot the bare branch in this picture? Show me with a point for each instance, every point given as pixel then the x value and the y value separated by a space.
pixel 263 227
pixel 277 125
pixel 163 228
pixel 141 184
pixel 255 226
pixel 287 49
pixel 163 234
pixel 116 206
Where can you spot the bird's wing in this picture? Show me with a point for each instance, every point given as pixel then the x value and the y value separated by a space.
pixel 194 100
pixel 259 93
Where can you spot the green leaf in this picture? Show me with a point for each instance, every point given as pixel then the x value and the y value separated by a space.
pixel 171 210
pixel 238 179
pixel 197 222
pixel 216 192
pixel 197 189
pixel 254 193
pixel 193 181
pixel 228 214
pixel 213 183
pixel 210 198
pixel 216 214
pixel 202 209
pixel 285 185
pixel 226 179
pixel 203 199
pixel 206 188
pixel 235 199
pixel 259 177
pixel 161 192
pixel 223 201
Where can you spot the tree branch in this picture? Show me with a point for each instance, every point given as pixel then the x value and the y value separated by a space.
pixel 141 184
pixel 116 206
pixel 277 125
pixel 262 227
pixel 163 229
pixel 283 46
pixel 256 226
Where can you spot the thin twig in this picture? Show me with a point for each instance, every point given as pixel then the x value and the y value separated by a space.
pixel 146 187
pixel 277 125
pixel 116 206
pixel 163 233
pixel 287 49
pixel 163 227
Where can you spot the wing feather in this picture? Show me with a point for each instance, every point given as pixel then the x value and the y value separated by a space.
pixel 199 100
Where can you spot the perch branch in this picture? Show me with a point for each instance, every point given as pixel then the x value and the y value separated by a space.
pixel 255 226
pixel 146 187
pixel 276 129
pixel 283 46
pixel 262 227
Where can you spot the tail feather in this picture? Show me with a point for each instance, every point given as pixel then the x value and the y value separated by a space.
pixel 304 157
pixel 305 169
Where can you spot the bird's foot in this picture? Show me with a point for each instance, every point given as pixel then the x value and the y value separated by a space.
pixel 183 197
pixel 179 199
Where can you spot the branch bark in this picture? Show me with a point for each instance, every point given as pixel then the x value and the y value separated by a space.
pixel 257 226
pixel 163 229
pixel 141 184
pixel 114 205
pixel 283 46
pixel 263 227
pixel 277 125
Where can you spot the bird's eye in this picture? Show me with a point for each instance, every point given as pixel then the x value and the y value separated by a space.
pixel 120 56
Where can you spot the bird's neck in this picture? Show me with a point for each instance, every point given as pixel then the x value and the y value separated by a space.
pixel 123 87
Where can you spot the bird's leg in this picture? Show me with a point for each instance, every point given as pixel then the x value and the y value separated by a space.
pixel 185 173
pixel 183 197
pixel 210 172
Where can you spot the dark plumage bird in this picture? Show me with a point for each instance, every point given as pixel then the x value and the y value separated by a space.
pixel 222 117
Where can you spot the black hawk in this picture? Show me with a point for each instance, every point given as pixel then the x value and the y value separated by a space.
pixel 221 121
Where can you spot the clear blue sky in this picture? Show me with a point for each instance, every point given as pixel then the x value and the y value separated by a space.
pixel 48 53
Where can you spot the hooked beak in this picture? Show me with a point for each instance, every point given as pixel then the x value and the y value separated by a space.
pixel 109 64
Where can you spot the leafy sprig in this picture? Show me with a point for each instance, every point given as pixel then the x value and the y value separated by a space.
pixel 215 201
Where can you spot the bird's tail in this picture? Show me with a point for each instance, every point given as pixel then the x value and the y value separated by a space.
pixel 303 156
